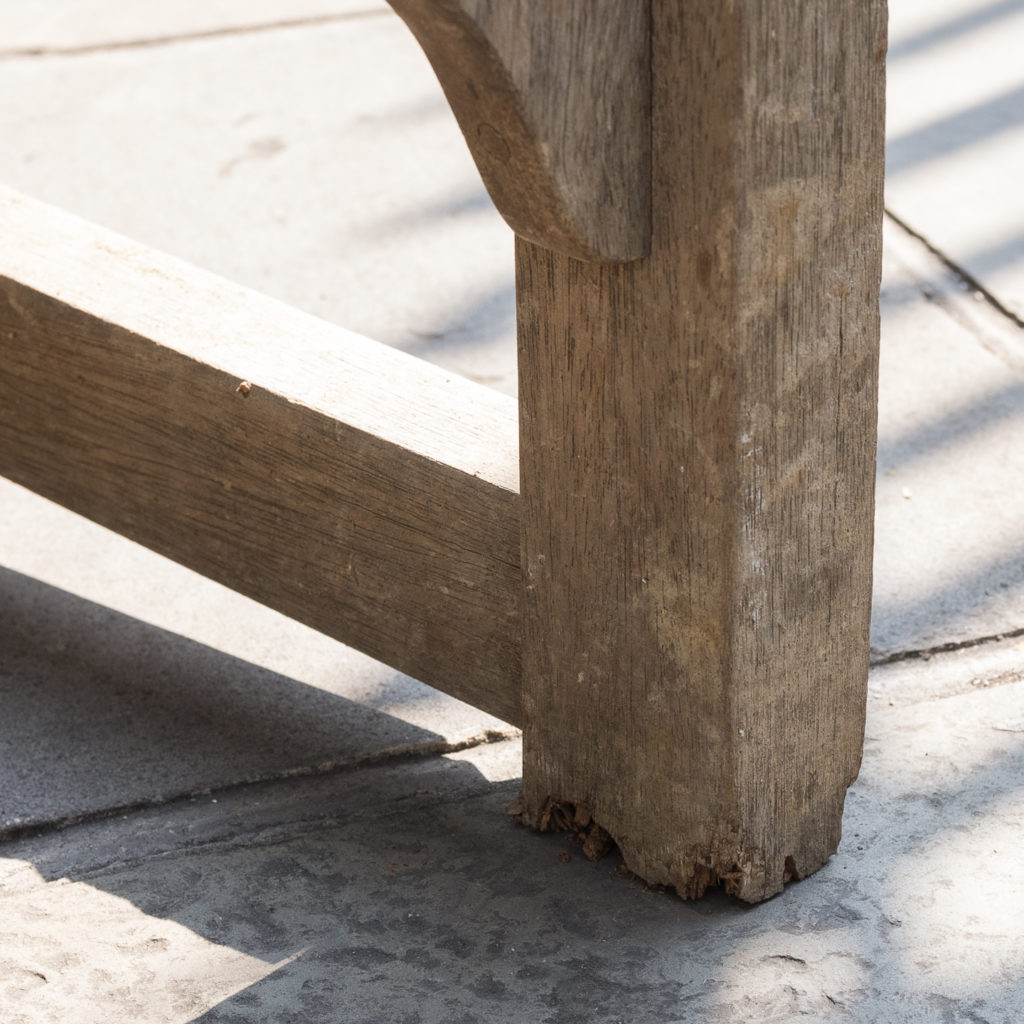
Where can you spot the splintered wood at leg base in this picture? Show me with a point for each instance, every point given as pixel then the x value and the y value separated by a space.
pixel 738 870
pixel 563 816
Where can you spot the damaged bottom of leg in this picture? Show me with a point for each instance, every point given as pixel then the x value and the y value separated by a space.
pixel 751 883
pixel 563 816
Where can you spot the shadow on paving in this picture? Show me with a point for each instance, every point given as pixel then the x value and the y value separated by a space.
pixel 449 912
pixel 384 895
pixel 954 28
pixel 404 893
pixel 453 913
pixel 946 136
pixel 102 711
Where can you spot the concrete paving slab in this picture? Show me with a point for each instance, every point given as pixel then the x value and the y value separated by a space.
pixel 126 680
pixel 956 132
pixel 73 27
pixel 404 893
pixel 949 673
pixel 949 525
pixel 318 164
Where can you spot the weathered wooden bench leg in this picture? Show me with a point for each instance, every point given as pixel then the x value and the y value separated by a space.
pixel 697 457
pixel 697 425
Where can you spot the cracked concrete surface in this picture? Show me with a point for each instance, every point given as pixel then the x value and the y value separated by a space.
pixel 210 813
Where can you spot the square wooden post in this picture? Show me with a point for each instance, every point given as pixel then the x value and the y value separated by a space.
pixel 697 440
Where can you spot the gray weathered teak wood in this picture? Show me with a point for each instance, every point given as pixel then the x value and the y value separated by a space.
pixel 669 589
pixel 697 460
pixel 554 101
pixel 366 493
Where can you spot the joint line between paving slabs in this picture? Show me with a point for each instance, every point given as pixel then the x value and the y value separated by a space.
pixel 392 756
pixel 312 21
pixel 925 653
pixel 969 279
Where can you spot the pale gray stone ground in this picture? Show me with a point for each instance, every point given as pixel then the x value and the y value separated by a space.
pixel 269 828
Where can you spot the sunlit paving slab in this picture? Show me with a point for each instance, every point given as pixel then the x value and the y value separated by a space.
pixel 124 964
pixel 949 525
pixel 319 165
pixel 57 29
pixel 955 134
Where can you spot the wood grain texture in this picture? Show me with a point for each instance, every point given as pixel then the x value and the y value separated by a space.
pixel 352 487
pixel 697 456
pixel 554 102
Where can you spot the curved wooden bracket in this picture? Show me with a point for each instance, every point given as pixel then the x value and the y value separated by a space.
pixel 554 101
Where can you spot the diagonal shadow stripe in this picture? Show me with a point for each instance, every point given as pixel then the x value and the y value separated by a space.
pixel 101 710
pixel 949 134
pixel 954 28
pixel 898 450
